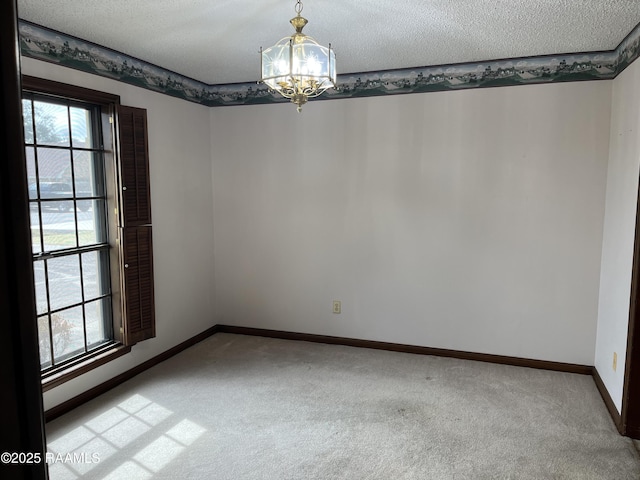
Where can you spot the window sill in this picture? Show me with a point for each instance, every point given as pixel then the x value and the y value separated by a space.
pixel 83 367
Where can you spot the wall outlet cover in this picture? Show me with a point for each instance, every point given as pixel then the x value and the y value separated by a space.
pixel 337 306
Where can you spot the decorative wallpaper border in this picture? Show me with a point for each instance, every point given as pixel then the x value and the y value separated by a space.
pixel 49 45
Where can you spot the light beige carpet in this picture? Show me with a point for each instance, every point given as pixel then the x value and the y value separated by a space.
pixel 239 407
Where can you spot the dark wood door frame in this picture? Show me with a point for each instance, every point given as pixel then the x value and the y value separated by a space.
pixel 22 418
pixel 630 415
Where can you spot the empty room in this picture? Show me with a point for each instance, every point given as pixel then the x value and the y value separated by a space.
pixel 398 242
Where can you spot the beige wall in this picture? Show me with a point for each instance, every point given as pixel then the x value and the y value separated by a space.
pixel 181 195
pixel 467 220
pixel 619 230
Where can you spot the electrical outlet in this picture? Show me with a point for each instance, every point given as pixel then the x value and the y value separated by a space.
pixel 337 306
pixel 615 361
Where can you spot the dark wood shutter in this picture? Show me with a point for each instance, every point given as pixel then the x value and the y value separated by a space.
pixel 134 166
pixel 137 248
pixel 136 245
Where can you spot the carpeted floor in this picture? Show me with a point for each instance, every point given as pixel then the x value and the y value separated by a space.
pixel 237 407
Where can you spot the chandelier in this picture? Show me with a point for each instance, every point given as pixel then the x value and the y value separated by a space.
pixel 298 67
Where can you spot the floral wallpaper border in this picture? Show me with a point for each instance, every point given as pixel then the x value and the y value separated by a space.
pixel 49 45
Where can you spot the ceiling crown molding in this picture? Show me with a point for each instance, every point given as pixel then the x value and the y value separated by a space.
pixel 55 47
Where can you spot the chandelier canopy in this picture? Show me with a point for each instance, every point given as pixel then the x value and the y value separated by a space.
pixel 298 67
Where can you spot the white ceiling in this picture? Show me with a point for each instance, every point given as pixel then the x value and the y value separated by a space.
pixel 218 41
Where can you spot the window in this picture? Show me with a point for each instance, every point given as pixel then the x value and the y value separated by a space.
pixel 68 209
pixel 89 193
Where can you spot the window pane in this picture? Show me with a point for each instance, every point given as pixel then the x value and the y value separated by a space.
pixel 34 221
pixel 52 124
pixel 64 281
pixel 94 274
pixel 68 333
pixel 36 246
pixel 44 342
pixel 81 127
pixel 65 206
pixel 54 172
pixel 91 222
pixel 53 206
pixel 28 121
pixel 58 224
pixel 31 172
pixel 41 287
pixel 87 174
pixel 98 314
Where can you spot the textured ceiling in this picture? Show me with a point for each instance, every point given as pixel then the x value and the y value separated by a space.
pixel 218 41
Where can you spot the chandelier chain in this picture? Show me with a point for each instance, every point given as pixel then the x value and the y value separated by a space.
pixel 298 7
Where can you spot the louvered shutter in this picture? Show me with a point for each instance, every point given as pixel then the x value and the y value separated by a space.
pixel 139 323
pixel 136 245
pixel 134 166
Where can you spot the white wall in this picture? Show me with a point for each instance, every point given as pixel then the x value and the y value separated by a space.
pixel 619 230
pixel 467 220
pixel 181 197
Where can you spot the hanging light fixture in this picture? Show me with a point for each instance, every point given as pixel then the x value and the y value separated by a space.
pixel 297 66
